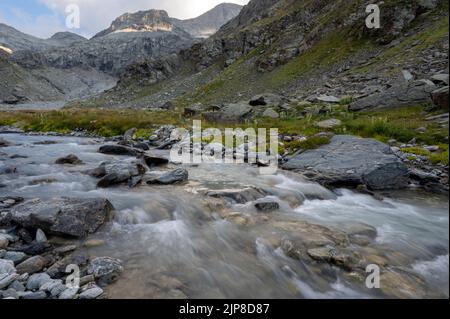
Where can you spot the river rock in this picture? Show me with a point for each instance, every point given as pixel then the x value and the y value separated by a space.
pixel 153 161
pixel 91 293
pixel 130 134
pixel 4 143
pixel 7 267
pixel 121 172
pixel 70 159
pixel 37 280
pixel 399 95
pixel 6 280
pixel 105 269
pixel 40 236
pixel 119 150
pixel 351 161
pixel 74 217
pixel 267 206
pixel 38 295
pixel 179 175
pixel 4 242
pixel 32 265
pixel 58 269
pixel 240 196
pixel 68 294
pixel 15 256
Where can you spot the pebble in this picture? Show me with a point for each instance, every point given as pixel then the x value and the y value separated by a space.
pixel 35 295
pixel 15 256
pixel 92 293
pixel 6 280
pixel 37 280
pixel 40 236
pixel 68 294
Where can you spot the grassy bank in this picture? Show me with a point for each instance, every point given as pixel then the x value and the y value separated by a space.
pixel 402 124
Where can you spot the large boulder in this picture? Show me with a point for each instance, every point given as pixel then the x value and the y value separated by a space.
pixel 73 217
pixel 119 172
pixel 351 161
pixel 238 112
pixel 119 150
pixel 396 96
pixel 174 177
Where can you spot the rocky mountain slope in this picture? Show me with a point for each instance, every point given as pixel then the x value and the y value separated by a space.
pixel 299 49
pixel 76 67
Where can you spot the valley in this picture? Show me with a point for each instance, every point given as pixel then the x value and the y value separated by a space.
pixel 88 177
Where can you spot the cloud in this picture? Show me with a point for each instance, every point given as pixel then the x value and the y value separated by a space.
pixel 96 15
pixel 43 25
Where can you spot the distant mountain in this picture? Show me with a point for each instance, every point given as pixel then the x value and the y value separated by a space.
pixel 16 40
pixel 65 39
pixel 210 22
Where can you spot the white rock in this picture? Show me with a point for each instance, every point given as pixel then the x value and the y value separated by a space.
pixel 40 236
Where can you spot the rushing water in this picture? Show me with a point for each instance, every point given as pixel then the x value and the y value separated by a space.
pixel 175 244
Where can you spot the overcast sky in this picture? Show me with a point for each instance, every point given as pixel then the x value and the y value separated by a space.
pixel 43 18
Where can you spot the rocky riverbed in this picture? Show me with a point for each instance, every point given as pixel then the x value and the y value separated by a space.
pixel 139 226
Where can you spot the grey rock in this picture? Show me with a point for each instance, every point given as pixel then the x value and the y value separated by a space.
pixel 38 295
pixel 6 280
pixel 271 113
pixel 396 96
pixel 40 236
pixel 130 134
pixel 440 78
pixel 37 280
pixel 328 124
pixel 153 161
pixel 119 150
pixel 91 293
pixel 407 75
pixel 15 256
pixel 328 99
pixel 351 161
pixel 4 242
pixel 267 206
pixel 58 269
pixel 32 265
pixel 10 294
pixel 69 159
pixel 75 217
pixel 121 172
pixel 69 294
pixel 237 112
pixel 7 267
pixel 105 269
pixel 176 176
pixel 4 143
pixel 17 286
pixel 240 196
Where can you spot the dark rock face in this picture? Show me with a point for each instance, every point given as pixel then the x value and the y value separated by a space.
pixel 174 177
pixel 73 217
pixel 396 96
pixel 352 161
pixel 69 159
pixel 118 150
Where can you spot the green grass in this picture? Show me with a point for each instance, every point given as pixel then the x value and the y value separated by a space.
pixel 101 122
pixel 416 151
